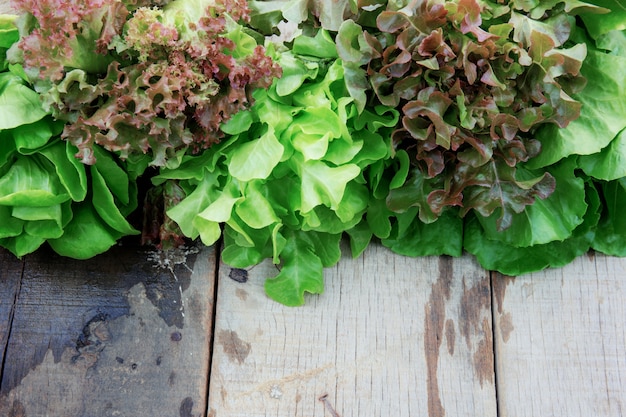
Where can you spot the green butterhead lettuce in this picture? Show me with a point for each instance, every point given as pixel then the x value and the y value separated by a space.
pixel 610 237
pixel 287 182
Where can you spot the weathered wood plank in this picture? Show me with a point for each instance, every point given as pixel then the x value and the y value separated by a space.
pixel 561 340
pixel 391 336
pixel 10 276
pixel 110 336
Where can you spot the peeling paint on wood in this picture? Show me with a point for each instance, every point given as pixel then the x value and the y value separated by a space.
pixel 500 282
pixel 483 356
pixel 506 326
pixel 434 317
pixel 61 296
pixel 450 336
pixel 474 302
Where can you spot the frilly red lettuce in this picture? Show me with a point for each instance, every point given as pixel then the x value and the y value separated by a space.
pixel 135 77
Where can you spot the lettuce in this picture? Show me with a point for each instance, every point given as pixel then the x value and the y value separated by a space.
pixel 45 192
pixel 472 89
pixel 610 237
pixel 287 181
pixel 139 77
pixel 45 196
pixel 434 127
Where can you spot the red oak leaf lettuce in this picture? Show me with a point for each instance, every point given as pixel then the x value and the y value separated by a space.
pixel 473 82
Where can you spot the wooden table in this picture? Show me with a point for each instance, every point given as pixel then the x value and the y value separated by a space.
pixel 391 336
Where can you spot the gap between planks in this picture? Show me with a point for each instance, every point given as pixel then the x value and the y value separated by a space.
pixel 314 358
pixel 10 294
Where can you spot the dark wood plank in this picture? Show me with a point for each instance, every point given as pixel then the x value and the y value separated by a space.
pixel 10 276
pixel 114 335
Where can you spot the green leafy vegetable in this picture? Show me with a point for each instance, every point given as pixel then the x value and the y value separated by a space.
pixel 139 78
pixel 433 127
pixel 469 99
pixel 496 255
pixel 288 180
pixel 610 237
pixel 19 104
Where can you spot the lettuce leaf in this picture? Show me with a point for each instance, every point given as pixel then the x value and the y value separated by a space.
pixel 19 104
pixel 602 117
pixel 611 233
pixel 551 219
pixel 498 255
pixel 287 180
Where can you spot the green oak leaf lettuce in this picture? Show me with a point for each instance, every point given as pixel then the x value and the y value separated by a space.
pixel 287 181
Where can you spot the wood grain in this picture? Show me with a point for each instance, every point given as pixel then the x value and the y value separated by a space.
pixel 110 336
pixel 10 277
pixel 561 340
pixel 391 336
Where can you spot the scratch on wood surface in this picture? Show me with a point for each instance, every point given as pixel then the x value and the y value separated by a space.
pixel 433 333
pixel 328 405
pixel 294 377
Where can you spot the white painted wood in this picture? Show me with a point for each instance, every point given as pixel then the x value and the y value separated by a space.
pixel 561 340
pixel 391 336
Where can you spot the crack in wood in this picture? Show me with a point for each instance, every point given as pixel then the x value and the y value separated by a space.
pixel 13 308
pixel 328 405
